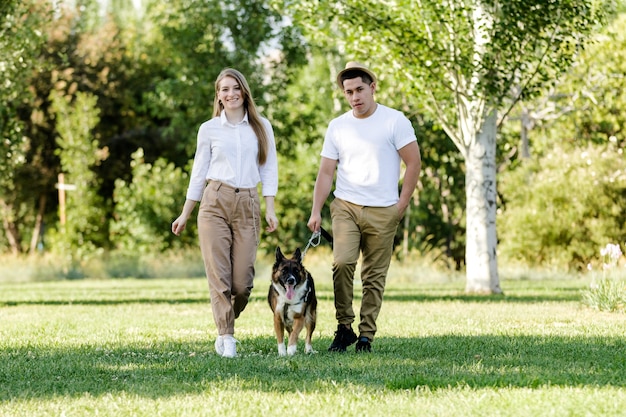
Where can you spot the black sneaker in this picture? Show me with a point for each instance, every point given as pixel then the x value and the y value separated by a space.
pixel 363 345
pixel 344 337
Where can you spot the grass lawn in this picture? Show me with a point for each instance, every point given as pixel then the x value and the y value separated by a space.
pixel 145 348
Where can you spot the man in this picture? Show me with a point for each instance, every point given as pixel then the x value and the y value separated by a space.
pixel 365 146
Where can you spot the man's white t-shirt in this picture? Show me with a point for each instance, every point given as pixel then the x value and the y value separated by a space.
pixel 368 168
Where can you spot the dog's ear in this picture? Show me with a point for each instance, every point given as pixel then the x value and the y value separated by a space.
pixel 297 256
pixel 279 254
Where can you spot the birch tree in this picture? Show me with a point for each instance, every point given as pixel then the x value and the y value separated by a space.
pixel 465 63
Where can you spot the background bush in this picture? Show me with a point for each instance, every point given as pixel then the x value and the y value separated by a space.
pixel 562 207
pixel 146 206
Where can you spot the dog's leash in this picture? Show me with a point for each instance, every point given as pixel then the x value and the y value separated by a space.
pixel 316 239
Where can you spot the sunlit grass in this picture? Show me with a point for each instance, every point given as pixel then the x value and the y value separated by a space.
pixel 137 347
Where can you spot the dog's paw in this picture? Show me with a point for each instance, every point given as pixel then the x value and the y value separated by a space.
pixel 282 351
pixel 309 349
pixel 291 350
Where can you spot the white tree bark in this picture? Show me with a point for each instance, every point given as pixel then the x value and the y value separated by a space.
pixel 480 189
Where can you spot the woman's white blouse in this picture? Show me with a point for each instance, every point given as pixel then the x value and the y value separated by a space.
pixel 228 153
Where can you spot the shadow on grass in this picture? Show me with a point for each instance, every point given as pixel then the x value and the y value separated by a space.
pixel 562 294
pixel 168 368
pixel 418 294
pixel 101 302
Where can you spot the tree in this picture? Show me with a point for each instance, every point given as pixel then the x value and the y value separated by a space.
pixel 151 74
pixel 436 225
pixel 145 207
pixel 465 63
pixel 21 38
pixel 298 114
pixel 187 44
pixel 80 231
pixel 578 167
pixel 591 96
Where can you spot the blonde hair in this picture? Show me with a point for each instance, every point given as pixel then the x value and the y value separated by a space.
pixel 254 118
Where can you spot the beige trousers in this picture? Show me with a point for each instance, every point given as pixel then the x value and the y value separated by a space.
pixel 368 231
pixel 229 229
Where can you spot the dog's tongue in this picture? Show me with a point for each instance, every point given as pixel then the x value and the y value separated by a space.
pixel 290 292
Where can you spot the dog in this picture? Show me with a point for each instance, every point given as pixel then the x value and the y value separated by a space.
pixel 293 301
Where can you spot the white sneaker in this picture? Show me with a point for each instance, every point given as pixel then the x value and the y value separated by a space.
pixel 219 345
pixel 230 348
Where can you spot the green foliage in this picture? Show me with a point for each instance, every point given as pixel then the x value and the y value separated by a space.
pixel 146 207
pixel 437 217
pixel 301 110
pixel 301 103
pixel 22 35
pixel 458 63
pixel 587 106
pixel 533 42
pixel 84 232
pixel 560 208
pixel 70 61
pixel 437 56
pixel 298 170
pixel 186 45
pixel 152 71
pixel 20 40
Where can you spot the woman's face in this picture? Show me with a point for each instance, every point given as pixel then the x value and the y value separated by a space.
pixel 229 93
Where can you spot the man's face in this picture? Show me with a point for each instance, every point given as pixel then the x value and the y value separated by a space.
pixel 360 96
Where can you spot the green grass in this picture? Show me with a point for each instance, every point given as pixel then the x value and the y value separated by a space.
pixel 145 348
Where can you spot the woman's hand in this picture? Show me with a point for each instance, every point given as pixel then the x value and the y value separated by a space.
pixel 270 214
pixel 179 225
pixel 272 222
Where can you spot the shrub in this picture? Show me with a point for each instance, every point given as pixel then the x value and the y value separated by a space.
pixel 559 208
pixel 607 293
pixel 146 207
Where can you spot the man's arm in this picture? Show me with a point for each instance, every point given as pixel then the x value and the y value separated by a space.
pixel 411 157
pixel 323 184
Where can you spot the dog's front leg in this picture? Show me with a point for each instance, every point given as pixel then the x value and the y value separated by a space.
pixel 298 324
pixel 310 321
pixel 279 329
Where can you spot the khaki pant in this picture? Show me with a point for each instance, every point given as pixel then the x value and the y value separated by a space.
pixel 369 231
pixel 229 229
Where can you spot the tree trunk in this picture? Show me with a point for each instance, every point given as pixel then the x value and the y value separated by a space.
pixel 38 224
pixel 480 190
pixel 10 228
pixel 526 125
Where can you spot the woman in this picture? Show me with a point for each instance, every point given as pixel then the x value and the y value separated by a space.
pixel 235 151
